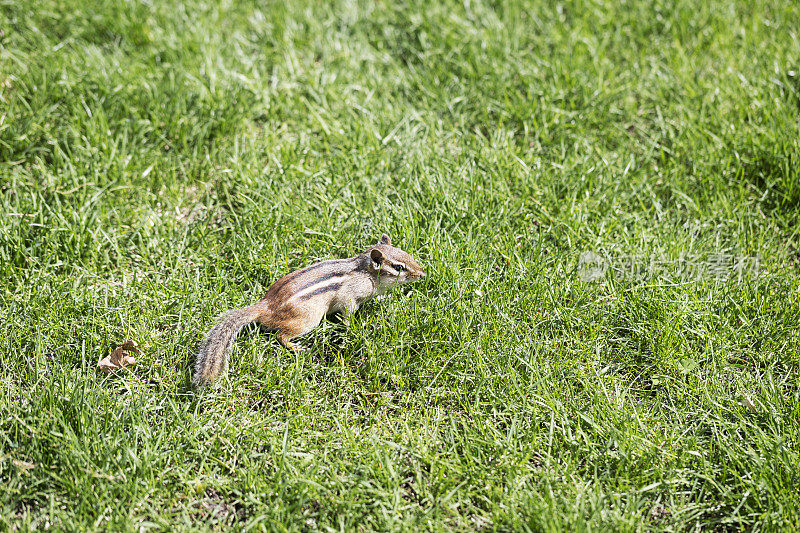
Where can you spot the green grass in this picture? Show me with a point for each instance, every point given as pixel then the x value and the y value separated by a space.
pixel 163 162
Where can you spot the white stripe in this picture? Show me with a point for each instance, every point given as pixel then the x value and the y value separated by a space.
pixel 324 283
pixel 388 268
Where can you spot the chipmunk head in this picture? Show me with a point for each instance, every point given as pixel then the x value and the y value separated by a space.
pixel 392 266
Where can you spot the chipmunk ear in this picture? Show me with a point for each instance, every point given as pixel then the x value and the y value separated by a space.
pixel 377 258
pixel 385 240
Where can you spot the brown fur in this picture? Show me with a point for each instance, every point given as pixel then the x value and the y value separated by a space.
pixel 297 302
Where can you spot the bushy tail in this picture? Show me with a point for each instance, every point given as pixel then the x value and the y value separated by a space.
pixel 212 358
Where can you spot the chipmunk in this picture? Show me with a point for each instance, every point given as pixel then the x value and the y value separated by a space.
pixel 296 303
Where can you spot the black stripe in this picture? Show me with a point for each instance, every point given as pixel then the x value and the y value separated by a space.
pixel 322 278
pixel 308 269
pixel 322 290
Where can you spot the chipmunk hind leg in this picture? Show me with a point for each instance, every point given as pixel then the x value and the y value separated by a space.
pixel 301 322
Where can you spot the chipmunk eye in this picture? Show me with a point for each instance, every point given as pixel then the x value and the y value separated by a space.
pixel 399 268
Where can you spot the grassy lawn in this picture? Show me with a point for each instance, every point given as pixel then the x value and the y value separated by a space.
pixel 163 162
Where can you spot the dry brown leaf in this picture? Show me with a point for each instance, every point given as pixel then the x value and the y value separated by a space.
pixel 747 402
pixel 119 358
pixel 24 466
